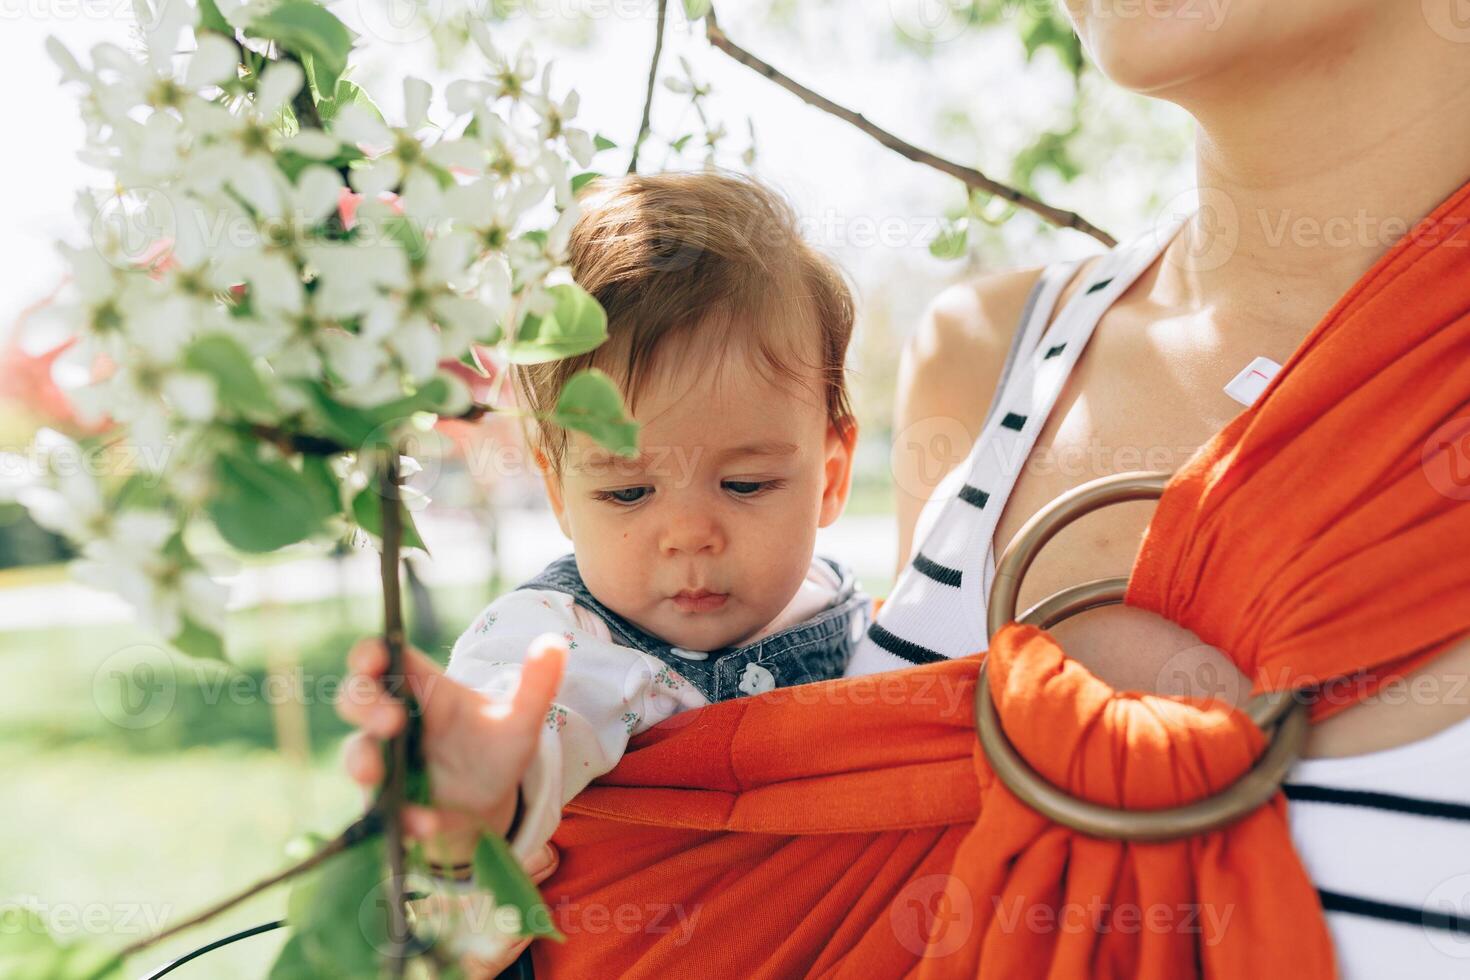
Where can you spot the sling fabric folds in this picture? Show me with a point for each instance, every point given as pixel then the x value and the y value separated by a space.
pixel 853 828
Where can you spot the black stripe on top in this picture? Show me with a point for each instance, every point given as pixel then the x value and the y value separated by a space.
pixel 942 574
pixel 973 495
pixel 1376 801
pixel 1406 914
pixel 1101 283
pixel 900 647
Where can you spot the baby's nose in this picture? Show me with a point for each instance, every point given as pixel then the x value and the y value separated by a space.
pixel 690 533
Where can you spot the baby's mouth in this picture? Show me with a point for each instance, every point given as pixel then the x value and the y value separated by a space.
pixel 699 600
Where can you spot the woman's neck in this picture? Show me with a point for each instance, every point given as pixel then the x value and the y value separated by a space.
pixel 1309 172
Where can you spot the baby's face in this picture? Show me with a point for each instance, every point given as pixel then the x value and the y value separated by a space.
pixel 706 537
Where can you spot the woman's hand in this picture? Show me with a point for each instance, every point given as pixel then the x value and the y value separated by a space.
pixel 476 748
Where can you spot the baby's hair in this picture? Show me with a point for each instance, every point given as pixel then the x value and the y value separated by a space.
pixel 701 258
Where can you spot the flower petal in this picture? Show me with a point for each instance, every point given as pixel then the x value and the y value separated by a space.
pixel 314 143
pixel 357 124
pixel 416 96
pixel 215 60
pixel 374 178
pixel 318 191
pixel 279 83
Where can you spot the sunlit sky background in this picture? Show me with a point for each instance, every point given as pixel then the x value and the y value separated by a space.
pixel 971 96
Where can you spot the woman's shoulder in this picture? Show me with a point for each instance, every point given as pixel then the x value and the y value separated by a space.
pixel 975 316
pixel 980 315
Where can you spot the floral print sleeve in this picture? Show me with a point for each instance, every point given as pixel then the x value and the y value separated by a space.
pixel 608 694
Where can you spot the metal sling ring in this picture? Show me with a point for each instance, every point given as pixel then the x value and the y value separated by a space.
pixel 1279 714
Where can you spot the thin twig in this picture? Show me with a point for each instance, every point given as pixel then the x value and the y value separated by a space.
pixel 297 442
pixel 658 47
pixel 971 177
pixel 365 827
pixel 309 445
pixel 391 799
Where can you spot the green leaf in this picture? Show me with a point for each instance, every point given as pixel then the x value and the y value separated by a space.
pixel 210 19
pixel 603 143
pixel 367 510
pixel 323 483
pixel 681 142
pixel 228 363
pixel 471 360
pixel 292 964
pixel 582 180
pixel 695 9
pixel 362 428
pixel 590 403
pixel 291 162
pixel 951 241
pixel 262 505
pixel 196 641
pixel 347 93
pixel 339 917
pixel 346 424
pixel 576 324
pixel 306 28
pixel 498 872
pixel 408 234
pixel 143 489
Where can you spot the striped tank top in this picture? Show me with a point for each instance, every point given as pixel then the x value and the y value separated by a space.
pixel 1385 836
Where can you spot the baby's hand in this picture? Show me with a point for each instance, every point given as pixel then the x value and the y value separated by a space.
pixel 476 748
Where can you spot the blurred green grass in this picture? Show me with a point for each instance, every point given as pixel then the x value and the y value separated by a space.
pixel 130 826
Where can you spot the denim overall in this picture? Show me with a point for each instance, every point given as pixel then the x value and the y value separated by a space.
pixel 814 650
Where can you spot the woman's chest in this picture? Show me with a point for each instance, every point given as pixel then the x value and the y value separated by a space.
pixel 1127 405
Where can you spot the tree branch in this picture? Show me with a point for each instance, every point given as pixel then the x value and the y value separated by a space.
pixel 364 828
pixel 658 47
pixel 971 177
pixel 391 798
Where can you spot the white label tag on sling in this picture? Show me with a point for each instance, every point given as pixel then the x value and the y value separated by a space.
pixel 1247 386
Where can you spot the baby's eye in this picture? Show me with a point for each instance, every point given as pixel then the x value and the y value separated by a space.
pixel 624 495
pixel 751 488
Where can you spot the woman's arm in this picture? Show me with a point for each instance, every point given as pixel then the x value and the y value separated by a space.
pixel 947 376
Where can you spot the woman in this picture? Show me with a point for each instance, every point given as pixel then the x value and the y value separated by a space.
pixel 1324 132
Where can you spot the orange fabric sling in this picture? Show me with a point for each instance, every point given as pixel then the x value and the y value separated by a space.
pixel 853 828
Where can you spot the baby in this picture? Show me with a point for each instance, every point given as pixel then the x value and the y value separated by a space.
pixel 693 578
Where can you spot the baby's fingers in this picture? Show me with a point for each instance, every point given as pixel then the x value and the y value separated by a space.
pixel 362 757
pixel 481 968
pixel 372 709
pixel 540 677
pixel 368 656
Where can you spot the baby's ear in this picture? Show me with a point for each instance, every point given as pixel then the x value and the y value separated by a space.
pixel 554 492
pixel 840 446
